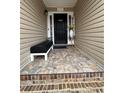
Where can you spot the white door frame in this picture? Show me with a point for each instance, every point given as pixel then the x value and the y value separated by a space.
pixel 48 24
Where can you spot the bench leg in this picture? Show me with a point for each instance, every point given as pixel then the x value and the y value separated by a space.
pixel 52 47
pixel 45 57
pixel 32 58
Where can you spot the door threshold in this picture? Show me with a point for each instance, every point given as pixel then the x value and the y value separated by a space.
pixel 60 45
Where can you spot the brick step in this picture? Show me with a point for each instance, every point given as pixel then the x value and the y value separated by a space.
pixel 61 87
pixel 83 75
pixel 63 83
pixel 58 81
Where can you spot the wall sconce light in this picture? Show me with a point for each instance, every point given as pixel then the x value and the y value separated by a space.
pixel 45 12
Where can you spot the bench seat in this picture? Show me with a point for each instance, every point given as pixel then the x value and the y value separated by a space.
pixel 42 48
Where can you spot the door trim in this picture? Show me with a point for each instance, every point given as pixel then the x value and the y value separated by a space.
pixel 48 24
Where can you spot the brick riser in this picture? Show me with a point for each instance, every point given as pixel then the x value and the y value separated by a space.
pixel 61 76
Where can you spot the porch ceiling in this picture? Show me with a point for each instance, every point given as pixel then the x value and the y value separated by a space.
pixel 60 3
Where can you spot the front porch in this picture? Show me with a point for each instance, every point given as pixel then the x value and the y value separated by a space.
pixel 65 60
pixel 77 24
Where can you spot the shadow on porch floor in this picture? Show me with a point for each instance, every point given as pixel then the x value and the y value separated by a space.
pixel 67 60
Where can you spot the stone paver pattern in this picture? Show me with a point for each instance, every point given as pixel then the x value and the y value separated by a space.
pixel 65 60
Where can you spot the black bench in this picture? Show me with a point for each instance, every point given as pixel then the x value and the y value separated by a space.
pixel 41 49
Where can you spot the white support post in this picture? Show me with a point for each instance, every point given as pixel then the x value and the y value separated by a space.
pixel 32 57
